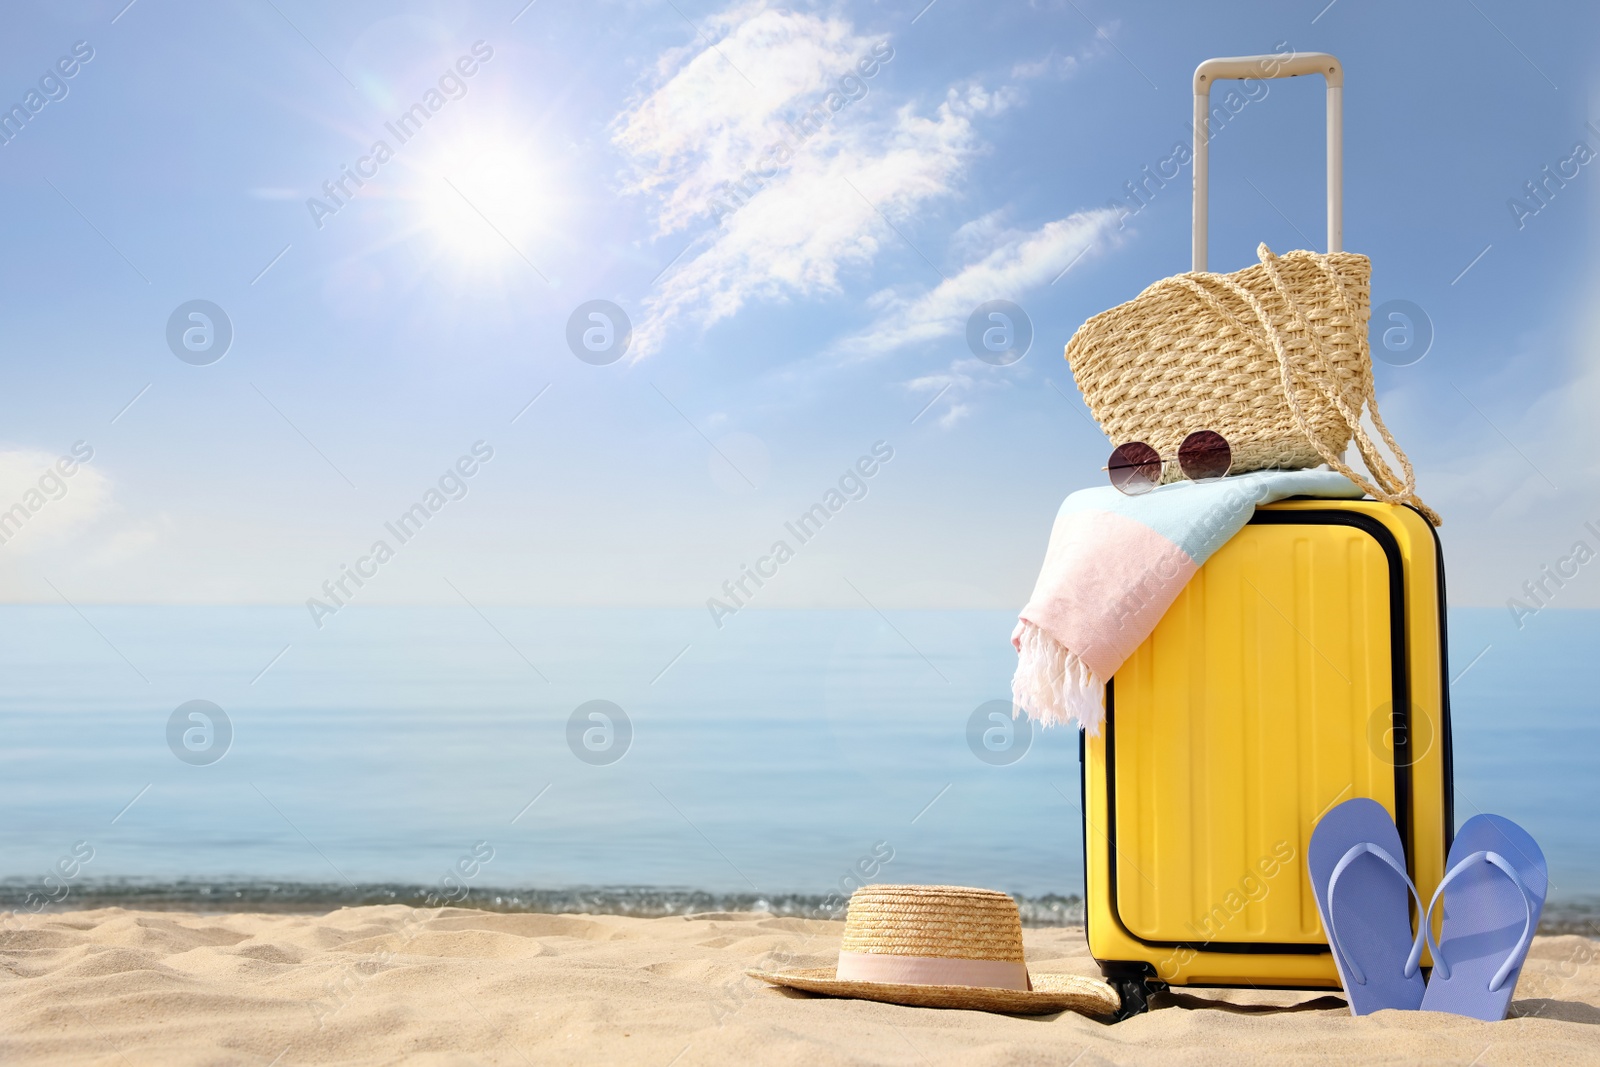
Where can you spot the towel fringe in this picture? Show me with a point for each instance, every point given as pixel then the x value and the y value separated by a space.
pixel 1052 684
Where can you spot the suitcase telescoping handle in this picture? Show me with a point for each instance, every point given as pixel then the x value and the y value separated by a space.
pixel 1270 66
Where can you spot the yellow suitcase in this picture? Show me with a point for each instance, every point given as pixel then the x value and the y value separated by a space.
pixel 1303 665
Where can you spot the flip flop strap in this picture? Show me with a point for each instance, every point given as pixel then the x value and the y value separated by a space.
pixel 1355 852
pixel 1494 859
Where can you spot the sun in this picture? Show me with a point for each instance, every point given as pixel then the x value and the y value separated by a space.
pixel 488 203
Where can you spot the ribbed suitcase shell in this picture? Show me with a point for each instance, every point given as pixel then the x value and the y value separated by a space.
pixel 1302 666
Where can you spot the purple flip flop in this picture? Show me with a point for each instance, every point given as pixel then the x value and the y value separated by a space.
pixel 1493 890
pixel 1363 894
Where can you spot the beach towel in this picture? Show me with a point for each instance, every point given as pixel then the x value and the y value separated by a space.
pixel 1114 565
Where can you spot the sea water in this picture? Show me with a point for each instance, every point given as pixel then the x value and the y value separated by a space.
pixel 788 752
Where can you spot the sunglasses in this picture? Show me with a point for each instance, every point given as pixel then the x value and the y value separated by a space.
pixel 1137 468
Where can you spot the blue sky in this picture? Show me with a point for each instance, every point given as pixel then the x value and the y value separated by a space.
pixel 772 348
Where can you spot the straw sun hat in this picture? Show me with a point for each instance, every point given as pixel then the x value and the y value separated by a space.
pixel 940 946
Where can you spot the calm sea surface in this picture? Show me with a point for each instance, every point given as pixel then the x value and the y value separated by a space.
pixel 398 745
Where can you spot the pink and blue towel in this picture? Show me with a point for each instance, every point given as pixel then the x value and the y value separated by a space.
pixel 1114 565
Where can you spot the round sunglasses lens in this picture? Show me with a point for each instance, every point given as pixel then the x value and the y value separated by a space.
pixel 1204 454
pixel 1135 468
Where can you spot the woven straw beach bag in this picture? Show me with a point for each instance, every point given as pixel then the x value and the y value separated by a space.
pixel 1273 357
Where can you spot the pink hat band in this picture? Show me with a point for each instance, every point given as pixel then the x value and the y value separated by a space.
pixel 929 970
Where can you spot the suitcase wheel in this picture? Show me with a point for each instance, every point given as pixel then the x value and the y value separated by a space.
pixel 1135 993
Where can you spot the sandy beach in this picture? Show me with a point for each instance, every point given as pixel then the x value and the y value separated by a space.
pixel 391 984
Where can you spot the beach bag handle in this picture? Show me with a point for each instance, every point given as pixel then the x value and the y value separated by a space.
pixel 1314 368
pixel 1276 65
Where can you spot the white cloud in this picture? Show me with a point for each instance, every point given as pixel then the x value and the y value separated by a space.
pixel 977 236
pixel 124 543
pixel 712 113
pixel 955 414
pixel 949 386
pixel 54 519
pixel 1016 262
pixel 1004 264
pixel 827 186
pixel 1056 65
pixel 40 506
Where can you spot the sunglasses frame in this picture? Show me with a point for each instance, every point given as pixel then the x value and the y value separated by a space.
pixel 1196 445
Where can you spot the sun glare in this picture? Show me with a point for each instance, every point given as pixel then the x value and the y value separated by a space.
pixel 487 203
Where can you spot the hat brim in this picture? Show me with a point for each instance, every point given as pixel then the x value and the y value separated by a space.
pixel 1050 993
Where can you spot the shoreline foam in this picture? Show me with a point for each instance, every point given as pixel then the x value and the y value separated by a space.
pixel 1579 916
